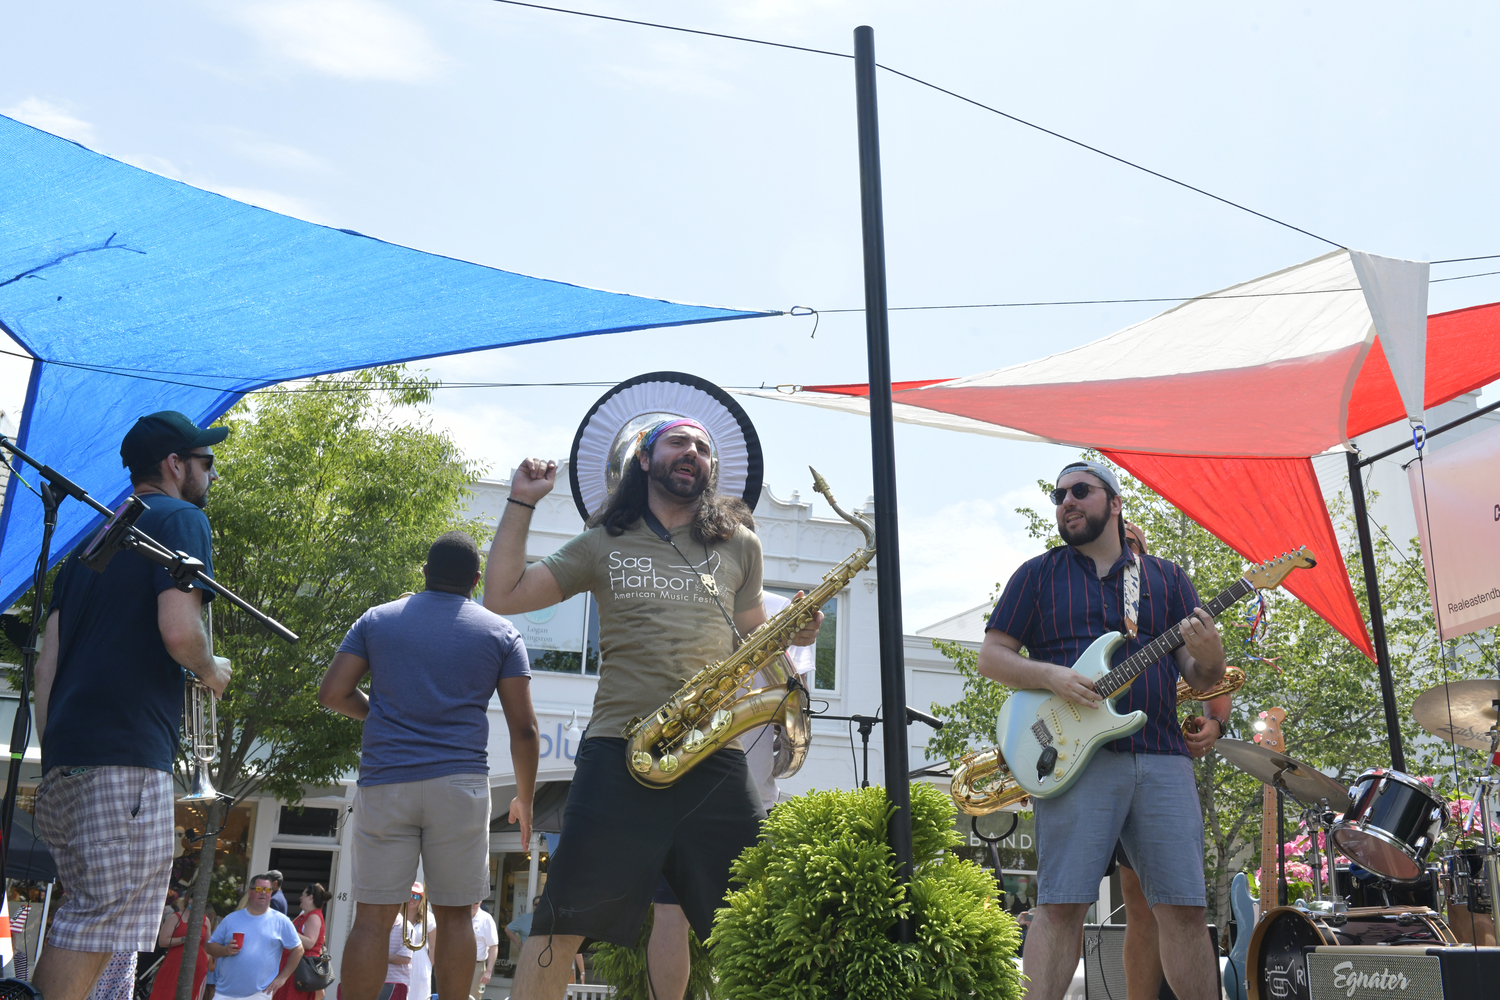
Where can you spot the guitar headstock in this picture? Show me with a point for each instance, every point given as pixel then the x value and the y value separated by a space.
pixel 1268 729
pixel 1269 574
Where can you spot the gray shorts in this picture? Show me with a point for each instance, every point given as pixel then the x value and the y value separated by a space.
pixel 1149 803
pixel 110 831
pixel 445 821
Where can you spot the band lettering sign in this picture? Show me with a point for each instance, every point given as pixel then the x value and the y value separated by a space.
pixel 1459 531
pixel 1367 973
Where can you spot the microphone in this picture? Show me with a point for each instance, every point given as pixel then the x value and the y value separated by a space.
pixel 912 715
pixel 103 546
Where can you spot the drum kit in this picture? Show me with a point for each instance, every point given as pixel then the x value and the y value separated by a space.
pixel 1387 824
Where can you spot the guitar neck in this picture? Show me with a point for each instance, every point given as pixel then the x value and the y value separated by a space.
pixel 1268 865
pixel 1163 644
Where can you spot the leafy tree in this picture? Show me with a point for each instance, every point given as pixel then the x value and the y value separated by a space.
pixel 330 495
pixel 1335 719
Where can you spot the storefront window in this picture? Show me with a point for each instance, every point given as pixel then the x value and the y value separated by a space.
pixel 563 638
pixel 510 874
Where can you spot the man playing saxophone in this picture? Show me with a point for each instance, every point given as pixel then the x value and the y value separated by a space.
pixel 676 574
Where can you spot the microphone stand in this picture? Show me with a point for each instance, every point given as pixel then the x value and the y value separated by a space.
pixel 867 724
pixel 54 487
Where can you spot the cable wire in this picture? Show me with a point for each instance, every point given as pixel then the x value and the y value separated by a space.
pixel 941 90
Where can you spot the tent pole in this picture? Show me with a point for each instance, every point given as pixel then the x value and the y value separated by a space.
pixel 883 455
pixel 1377 616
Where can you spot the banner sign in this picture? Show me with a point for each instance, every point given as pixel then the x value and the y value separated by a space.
pixel 1459 526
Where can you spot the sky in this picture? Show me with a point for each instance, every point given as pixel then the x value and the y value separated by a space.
pixel 709 170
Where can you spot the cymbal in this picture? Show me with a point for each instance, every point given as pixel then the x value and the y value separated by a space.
pixel 1302 782
pixel 1473 711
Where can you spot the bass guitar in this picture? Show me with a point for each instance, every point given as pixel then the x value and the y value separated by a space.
pixel 1046 740
pixel 1245 907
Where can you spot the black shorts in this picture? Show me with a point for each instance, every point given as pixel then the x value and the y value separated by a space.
pixel 620 838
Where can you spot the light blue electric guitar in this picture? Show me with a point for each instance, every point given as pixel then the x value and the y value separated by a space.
pixel 1046 740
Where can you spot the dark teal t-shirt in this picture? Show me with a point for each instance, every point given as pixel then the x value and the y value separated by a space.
pixel 117 696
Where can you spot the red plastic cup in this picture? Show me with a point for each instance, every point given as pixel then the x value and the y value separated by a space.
pixel 239 940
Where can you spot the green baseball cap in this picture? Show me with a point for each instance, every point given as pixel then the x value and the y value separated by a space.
pixel 157 435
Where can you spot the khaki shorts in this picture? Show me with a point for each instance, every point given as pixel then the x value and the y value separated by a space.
pixel 445 821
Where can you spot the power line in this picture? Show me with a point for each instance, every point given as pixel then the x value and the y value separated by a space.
pixel 941 90
pixel 674 27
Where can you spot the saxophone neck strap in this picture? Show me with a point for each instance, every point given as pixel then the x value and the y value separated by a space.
pixel 705 573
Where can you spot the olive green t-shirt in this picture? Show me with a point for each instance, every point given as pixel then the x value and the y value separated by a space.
pixel 658 626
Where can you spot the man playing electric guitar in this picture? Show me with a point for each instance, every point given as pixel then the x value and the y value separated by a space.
pixel 1138 790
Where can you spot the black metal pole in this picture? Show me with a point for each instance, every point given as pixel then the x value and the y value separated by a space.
pixel 883 454
pixel 1377 616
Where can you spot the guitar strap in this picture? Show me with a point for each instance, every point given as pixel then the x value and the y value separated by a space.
pixel 1132 596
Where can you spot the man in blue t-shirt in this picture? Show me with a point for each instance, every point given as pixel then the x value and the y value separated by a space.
pixel 248 944
pixel 434 660
pixel 109 694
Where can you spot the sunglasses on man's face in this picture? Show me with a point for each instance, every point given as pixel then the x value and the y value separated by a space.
pixel 208 460
pixel 1079 491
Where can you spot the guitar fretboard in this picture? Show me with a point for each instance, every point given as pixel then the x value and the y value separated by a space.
pixel 1163 644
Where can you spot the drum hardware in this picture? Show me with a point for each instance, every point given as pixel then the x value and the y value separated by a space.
pixel 1392 824
pixel 1302 782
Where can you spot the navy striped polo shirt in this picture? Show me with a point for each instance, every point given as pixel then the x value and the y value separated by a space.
pixel 1056 605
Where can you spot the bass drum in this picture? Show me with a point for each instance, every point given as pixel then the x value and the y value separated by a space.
pixel 1277 964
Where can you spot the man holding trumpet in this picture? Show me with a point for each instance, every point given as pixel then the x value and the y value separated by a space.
pixel 109 697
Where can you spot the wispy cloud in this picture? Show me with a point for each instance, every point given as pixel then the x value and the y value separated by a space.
pixel 52 118
pixel 352 39
pixel 270 153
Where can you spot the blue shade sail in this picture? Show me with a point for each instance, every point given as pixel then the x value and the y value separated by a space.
pixel 136 293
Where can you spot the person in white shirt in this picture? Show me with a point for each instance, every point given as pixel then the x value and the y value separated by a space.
pixel 421 959
pixel 486 949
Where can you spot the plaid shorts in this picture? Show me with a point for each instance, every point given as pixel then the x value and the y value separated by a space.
pixel 110 832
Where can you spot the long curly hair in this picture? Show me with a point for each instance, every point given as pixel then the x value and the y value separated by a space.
pixel 715 521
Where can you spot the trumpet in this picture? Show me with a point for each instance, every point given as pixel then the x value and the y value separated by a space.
pixel 200 717
pixel 409 930
pixel 200 721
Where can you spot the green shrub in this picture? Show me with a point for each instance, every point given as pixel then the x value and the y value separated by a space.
pixel 813 920
pixel 625 968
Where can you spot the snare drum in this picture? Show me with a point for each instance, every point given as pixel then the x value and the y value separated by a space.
pixel 1391 825
pixel 1277 962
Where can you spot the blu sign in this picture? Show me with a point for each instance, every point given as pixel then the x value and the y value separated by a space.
pixel 555 743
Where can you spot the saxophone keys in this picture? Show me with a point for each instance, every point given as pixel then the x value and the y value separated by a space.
pixel 694 741
pixel 721 720
pixel 668 763
pixel 641 761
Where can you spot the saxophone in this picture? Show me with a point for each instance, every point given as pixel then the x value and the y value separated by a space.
pixel 720 702
pixel 982 782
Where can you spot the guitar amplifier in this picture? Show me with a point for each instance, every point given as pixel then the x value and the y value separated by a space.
pixel 1365 972
pixel 1104 962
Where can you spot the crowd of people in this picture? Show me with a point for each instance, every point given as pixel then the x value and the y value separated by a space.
pixel 419 673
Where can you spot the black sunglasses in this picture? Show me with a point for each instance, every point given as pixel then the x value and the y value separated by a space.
pixel 1079 491
pixel 208 460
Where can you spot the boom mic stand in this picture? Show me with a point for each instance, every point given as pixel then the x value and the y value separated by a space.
pixel 119 532
pixel 867 723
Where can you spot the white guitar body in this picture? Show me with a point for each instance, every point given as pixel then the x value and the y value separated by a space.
pixel 1032 722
